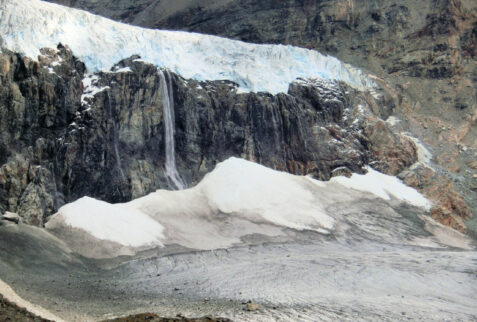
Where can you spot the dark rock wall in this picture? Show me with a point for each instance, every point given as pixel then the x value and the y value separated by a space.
pixel 56 148
pixel 35 108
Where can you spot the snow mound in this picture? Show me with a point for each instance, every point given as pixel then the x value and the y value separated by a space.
pixel 116 223
pixel 238 199
pixel 28 25
pixel 237 186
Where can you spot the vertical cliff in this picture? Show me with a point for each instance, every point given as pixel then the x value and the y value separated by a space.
pixel 424 53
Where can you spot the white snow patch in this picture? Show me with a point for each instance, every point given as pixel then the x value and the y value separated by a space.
pixel 90 88
pixel 240 186
pixel 384 186
pixel 57 62
pixel 116 223
pixel 360 108
pixel 28 25
pixel 122 70
pixel 237 199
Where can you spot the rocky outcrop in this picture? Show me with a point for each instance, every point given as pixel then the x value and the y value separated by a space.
pixel 67 134
pixel 37 101
pixel 449 208
pixel 423 51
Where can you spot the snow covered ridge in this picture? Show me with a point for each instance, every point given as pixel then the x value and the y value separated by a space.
pixel 28 25
pixel 239 198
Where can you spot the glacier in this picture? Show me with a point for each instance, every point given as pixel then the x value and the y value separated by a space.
pixel 28 25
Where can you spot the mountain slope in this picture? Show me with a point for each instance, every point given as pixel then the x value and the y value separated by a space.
pixel 425 53
pixel 119 133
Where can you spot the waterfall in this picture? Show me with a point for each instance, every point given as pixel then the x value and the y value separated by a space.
pixel 172 175
pixel 115 139
pixel 276 127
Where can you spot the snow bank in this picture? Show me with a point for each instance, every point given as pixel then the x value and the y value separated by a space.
pixel 116 223
pixel 28 25
pixel 383 186
pixel 238 199
pixel 237 186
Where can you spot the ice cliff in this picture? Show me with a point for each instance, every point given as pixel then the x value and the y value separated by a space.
pixel 29 25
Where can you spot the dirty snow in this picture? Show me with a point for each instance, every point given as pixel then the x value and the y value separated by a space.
pixel 384 187
pixel 239 198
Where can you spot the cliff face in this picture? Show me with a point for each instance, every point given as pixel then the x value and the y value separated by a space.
pixel 423 52
pixel 66 134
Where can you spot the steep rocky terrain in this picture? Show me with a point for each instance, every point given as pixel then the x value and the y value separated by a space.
pixel 423 52
pixel 246 242
pixel 60 144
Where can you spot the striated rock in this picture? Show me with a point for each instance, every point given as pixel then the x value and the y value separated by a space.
pixel 446 217
pixel 451 208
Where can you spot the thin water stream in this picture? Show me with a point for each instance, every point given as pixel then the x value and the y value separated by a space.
pixel 172 175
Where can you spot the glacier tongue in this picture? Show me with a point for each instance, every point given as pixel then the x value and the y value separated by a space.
pixel 28 25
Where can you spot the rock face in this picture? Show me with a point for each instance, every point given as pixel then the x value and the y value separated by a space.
pixel 424 53
pixel 66 134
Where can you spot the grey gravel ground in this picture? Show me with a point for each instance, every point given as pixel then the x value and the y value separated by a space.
pixel 309 279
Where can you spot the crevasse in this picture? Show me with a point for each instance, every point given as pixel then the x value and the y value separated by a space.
pixel 28 25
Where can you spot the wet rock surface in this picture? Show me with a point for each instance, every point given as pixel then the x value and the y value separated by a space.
pixel 69 135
